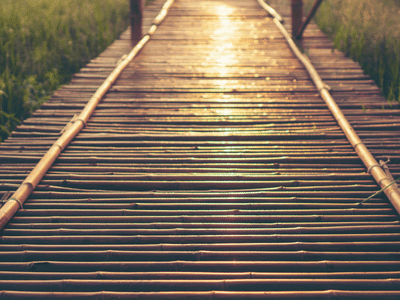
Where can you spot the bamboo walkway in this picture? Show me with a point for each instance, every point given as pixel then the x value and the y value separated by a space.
pixel 212 169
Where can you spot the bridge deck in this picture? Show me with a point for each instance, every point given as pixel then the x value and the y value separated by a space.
pixel 212 169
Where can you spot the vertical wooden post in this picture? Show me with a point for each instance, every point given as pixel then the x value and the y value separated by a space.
pixel 136 14
pixel 308 19
pixel 297 16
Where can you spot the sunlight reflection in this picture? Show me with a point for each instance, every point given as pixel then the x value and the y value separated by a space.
pixel 224 47
pixel 226 98
pixel 225 60
pixel 225 112
pixel 221 83
pixel 223 56
pixel 223 10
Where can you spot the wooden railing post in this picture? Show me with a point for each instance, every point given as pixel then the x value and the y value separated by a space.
pixel 308 19
pixel 136 13
pixel 297 16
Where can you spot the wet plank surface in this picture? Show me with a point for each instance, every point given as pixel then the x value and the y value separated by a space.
pixel 212 169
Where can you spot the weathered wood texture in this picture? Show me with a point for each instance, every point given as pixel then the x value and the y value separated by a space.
pixel 211 170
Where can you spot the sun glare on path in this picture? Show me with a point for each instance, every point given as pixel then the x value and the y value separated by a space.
pixel 223 55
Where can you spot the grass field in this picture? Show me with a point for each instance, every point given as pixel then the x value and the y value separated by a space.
pixel 369 32
pixel 43 42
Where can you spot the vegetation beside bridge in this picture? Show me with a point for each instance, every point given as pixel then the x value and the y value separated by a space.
pixel 44 42
pixel 369 32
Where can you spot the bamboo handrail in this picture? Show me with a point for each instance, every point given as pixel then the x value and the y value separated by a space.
pixel 13 204
pixel 270 10
pixel 367 158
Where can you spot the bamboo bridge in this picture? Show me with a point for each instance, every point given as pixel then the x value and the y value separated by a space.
pixel 219 160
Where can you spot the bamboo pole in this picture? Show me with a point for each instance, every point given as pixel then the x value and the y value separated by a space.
pixel 270 10
pixel 213 295
pixel 17 200
pixel 7 275
pixel 380 246
pixel 367 158
pixel 207 266
pixel 222 285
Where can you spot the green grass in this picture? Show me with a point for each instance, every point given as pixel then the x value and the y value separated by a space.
pixel 369 32
pixel 44 42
